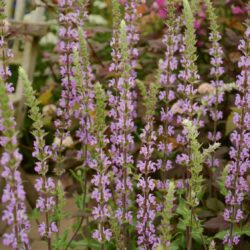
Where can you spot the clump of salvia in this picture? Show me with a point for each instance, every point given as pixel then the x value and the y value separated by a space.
pixel 127 199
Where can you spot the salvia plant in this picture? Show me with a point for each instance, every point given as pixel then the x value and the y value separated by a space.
pixel 128 135
pixel 235 183
pixel 146 165
pixel 13 197
pixel 44 185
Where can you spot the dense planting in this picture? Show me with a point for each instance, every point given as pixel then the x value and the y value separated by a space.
pixel 152 155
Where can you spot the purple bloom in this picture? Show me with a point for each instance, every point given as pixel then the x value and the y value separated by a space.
pixel 121 100
pixel 71 15
pixel 239 153
pixel 215 95
pixel 146 200
pixel 167 94
pixel 13 198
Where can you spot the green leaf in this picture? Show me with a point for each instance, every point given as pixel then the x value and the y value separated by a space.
pixel 35 214
pixel 61 242
pixel 221 235
pixel 244 231
pixel 160 247
pixel 182 208
pixel 214 204
pixel 196 235
pixel 179 242
pixel 230 126
pixel 85 243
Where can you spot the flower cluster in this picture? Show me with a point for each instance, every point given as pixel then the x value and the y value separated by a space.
pixel 44 186
pixel 13 198
pixel 190 110
pixel 146 199
pixel 125 126
pixel 188 76
pixel 187 105
pixel 168 88
pixel 131 16
pixel 121 100
pixel 115 68
pixel 239 153
pixel 68 18
pixel 214 93
pixel 115 54
pixel 101 164
pixel 84 81
pixel 121 113
pixel 5 52
pixel 238 8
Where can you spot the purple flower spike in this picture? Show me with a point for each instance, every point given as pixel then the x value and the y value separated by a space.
pixel 240 151
pixel 69 19
pixel 13 198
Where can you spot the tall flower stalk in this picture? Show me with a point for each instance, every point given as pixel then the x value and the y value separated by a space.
pixel 125 126
pixel 168 88
pixel 146 200
pixel 131 16
pixel 113 91
pixel 189 108
pixel 167 214
pixel 101 163
pixel 44 185
pixel 72 14
pixel 121 100
pixel 215 95
pixel 13 198
pixel 236 184
pixel 115 70
pixel 5 53
pixel 115 54
pixel 195 164
pixel 84 114
pixel 68 19
pixel 85 89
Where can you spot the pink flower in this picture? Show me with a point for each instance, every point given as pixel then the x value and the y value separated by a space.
pixel 162 11
pixel 237 10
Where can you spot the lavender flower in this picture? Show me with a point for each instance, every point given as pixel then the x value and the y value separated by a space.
pixel 122 135
pixel 131 16
pixel 115 67
pixel 189 74
pixel 168 89
pixel 189 77
pixel 13 197
pixel 84 81
pixel 86 134
pixel 113 91
pixel 45 186
pixel 68 18
pixel 101 164
pixel 236 184
pixel 215 94
pixel 6 53
pixel 115 54
pixel 187 106
pixel 121 100
pixel 146 185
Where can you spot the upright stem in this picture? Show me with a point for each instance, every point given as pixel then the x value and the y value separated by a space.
pixel 46 214
pixel 232 224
